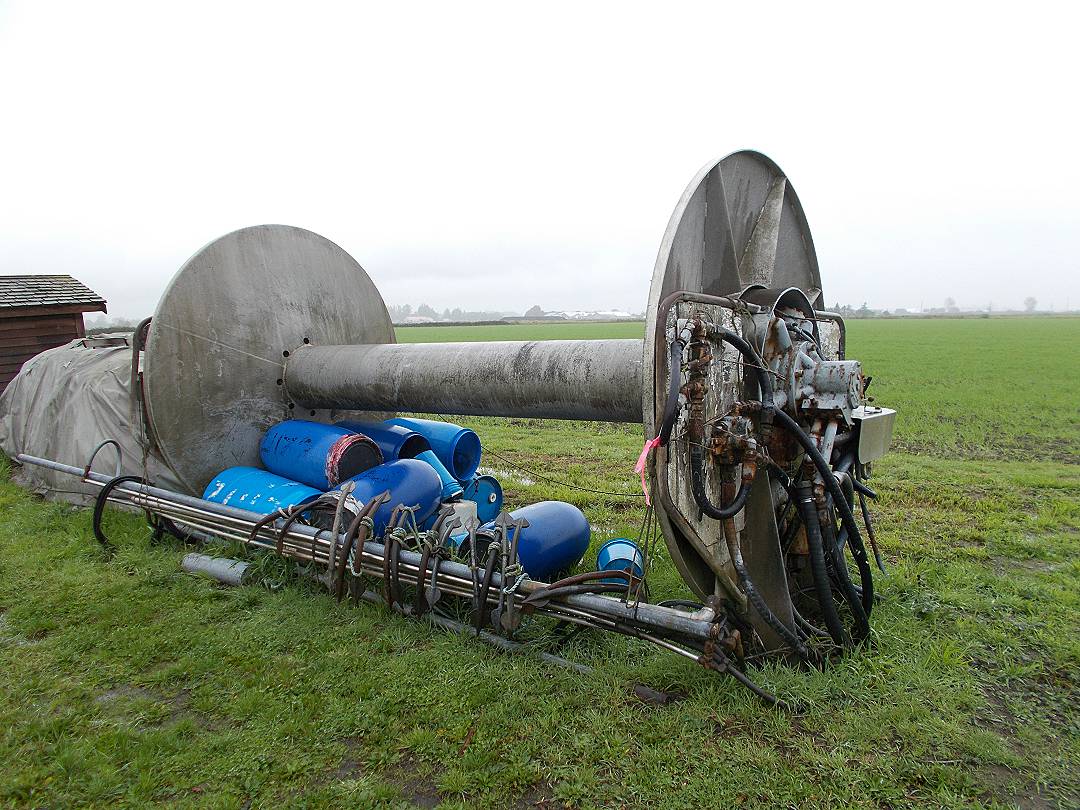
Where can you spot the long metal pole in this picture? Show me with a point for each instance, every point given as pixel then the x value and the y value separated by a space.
pixel 598 380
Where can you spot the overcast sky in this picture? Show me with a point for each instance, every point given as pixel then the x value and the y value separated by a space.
pixel 494 156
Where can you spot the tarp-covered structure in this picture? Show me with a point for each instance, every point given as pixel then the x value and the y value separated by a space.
pixel 65 402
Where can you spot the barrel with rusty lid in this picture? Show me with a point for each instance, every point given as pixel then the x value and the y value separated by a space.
pixel 316 454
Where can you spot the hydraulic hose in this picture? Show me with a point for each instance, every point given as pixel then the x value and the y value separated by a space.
pixel 858 550
pixel 697 485
pixel 99 508
pixel 671 407
pixel 818 567
pixel 835 556
pixel 790 637
pixel 697 452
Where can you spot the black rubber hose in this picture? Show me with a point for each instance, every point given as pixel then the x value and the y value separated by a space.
pixel 818 567
pixel 697 485
pixel 863 489
pixel 855 597
pixel 671 408
pixel 790 637
pixel 858 550
pixel 841 535
pixel 99 508
pixel 870 531
pixel 697 453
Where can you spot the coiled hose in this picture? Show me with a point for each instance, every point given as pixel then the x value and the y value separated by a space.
pixel 99 508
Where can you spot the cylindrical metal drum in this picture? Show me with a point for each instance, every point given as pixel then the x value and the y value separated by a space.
pixel 321 456
pixel 257 490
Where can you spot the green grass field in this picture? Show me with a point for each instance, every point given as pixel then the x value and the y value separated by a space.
pixel 126 682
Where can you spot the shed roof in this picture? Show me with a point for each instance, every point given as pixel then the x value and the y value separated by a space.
pixel 64 291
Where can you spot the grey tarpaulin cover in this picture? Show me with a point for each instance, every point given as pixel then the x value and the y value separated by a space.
pixel 63 403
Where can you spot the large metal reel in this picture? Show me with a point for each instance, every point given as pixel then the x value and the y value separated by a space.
pixel 739 223
pixel 215 358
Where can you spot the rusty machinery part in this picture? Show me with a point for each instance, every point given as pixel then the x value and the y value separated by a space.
pixel 273 322
pixel 755 440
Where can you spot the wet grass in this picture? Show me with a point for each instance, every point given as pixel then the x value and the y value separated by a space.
pixel 126 682
pixel 572 330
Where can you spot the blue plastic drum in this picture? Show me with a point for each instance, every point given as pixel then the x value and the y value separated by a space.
pixel 257 490
pixel 458 448
pixel 321 456
pixel 556 538
pixel 410 483
pixel 394 441
pixel 487 494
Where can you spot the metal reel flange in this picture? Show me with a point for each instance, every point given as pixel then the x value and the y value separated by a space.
pixel 738 224
pixel 214 364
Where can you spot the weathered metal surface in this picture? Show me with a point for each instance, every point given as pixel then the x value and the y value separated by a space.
pixel 217 344
pixel 700 537
pixel 223 569
pixel 875 431
pixel 738 223
pixel 596 380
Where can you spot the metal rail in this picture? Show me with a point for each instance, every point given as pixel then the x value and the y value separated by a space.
pixel 311 544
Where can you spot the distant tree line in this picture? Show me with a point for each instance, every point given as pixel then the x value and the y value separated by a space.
pixel 400 312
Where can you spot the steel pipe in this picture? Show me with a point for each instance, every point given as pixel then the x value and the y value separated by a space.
pixel 598 380
pixel 654 615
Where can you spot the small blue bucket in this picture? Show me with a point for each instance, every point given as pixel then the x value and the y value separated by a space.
pixel 257 490
pixel 620 554
pixel 458 448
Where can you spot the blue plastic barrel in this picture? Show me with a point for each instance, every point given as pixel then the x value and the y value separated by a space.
pixel 556 538
pixel 394 441
pixel 397 442
pixel 620 554
pixel 410 483
pixel 458 448
pixel 257 490
pixel 321 456
pixel 486 492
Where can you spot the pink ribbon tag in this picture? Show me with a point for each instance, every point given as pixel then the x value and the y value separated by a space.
pixel 640 466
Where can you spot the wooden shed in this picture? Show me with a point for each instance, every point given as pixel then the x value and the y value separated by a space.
pixel 39 313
